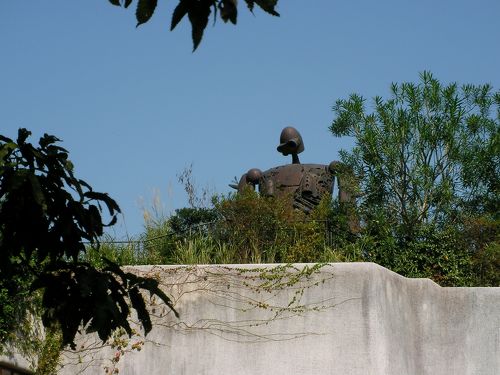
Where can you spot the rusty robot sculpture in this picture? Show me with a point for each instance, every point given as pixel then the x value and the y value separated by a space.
pixel 306 183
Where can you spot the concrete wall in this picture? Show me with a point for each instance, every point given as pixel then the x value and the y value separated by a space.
pixel 349 318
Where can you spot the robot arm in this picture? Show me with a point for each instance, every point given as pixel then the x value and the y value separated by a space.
pixel 249 179
pixel 335 167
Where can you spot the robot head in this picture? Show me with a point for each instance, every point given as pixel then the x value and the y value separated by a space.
pixel 290 141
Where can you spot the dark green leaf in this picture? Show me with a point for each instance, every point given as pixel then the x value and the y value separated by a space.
pixel 127 3
pixel 95 221
pixel 250 4
pixel 38 194
pixel 228 10
pixel 199 13
pixel 5 139
pixel 179 12
pixel 47 140
pixel 268 6
pixel 83 183
pixel 145 10
pixel 110 203
pixel 113 221
pixel 115 2
pixel 22 135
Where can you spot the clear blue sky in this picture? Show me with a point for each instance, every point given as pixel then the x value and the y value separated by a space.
pixel 135 106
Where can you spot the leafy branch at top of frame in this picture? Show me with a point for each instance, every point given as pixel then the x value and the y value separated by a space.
pixel 198 12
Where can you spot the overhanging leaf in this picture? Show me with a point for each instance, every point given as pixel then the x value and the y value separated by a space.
pixel 228 10
pixel 110 203
pixel 199 13
pixel 250 4
pixel 267 6
pixel 179 12
pixel 144 11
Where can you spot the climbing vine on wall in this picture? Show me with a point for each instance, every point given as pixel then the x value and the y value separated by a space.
pixel 270 293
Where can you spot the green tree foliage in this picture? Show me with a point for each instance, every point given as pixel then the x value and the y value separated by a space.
pixel 45 215
pixel 190 218
pixel 198 12
pixel 427 161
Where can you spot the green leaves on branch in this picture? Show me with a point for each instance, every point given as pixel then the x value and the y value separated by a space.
pixel 427 164
pixel 79 295
pixel 425 154
pixel 38 185
pixel 46 214
pixel 198 12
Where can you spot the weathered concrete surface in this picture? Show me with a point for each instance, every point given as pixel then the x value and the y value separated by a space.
pixel 14 361
pixel 360 318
